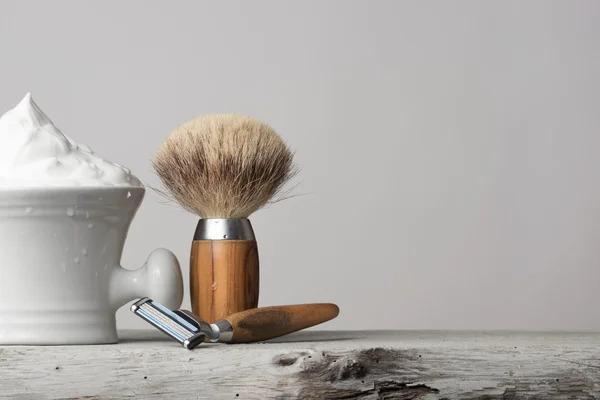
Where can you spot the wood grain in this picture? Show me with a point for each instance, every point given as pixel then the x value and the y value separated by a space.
pixel 270 322
pixel 224 277
pixel 418 365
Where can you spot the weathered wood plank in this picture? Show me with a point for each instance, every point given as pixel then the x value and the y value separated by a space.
pixel 313 365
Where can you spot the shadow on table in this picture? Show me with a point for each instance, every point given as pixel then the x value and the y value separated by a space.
pixel 151 336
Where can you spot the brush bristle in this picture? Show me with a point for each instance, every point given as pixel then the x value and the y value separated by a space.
pixel 224 166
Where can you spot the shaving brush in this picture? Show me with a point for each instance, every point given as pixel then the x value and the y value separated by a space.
pixel 223 168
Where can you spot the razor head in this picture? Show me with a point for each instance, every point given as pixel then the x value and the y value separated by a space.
pixel 173 323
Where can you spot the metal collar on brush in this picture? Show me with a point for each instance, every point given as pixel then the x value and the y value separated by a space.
pixel 224 229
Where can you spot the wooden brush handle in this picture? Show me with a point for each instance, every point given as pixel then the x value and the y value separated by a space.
pixel 270 322
pixel 224 277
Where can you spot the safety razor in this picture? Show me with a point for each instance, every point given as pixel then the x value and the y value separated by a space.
pixel 248 326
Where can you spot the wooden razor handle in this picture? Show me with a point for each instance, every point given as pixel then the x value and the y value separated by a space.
pixel 270 322
pixel 224 277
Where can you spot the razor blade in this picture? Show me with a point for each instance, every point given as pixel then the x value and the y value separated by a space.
pixel 177 324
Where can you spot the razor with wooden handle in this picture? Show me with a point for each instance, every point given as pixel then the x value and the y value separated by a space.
pixel 248 326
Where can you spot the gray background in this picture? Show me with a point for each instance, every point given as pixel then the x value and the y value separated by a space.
pixel 449 149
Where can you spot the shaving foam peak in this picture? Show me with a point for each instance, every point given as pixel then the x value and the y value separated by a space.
pixel 34 152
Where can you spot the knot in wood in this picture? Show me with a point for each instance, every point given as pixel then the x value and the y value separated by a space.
pixel 349 368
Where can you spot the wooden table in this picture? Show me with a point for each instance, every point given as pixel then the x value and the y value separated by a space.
pixel 313 365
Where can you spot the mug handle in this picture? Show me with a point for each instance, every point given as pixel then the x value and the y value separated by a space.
pixel 159 279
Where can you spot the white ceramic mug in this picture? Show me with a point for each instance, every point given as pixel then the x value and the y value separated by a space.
pixel 60 276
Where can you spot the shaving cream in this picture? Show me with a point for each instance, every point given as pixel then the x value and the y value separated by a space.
pixel 34 153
